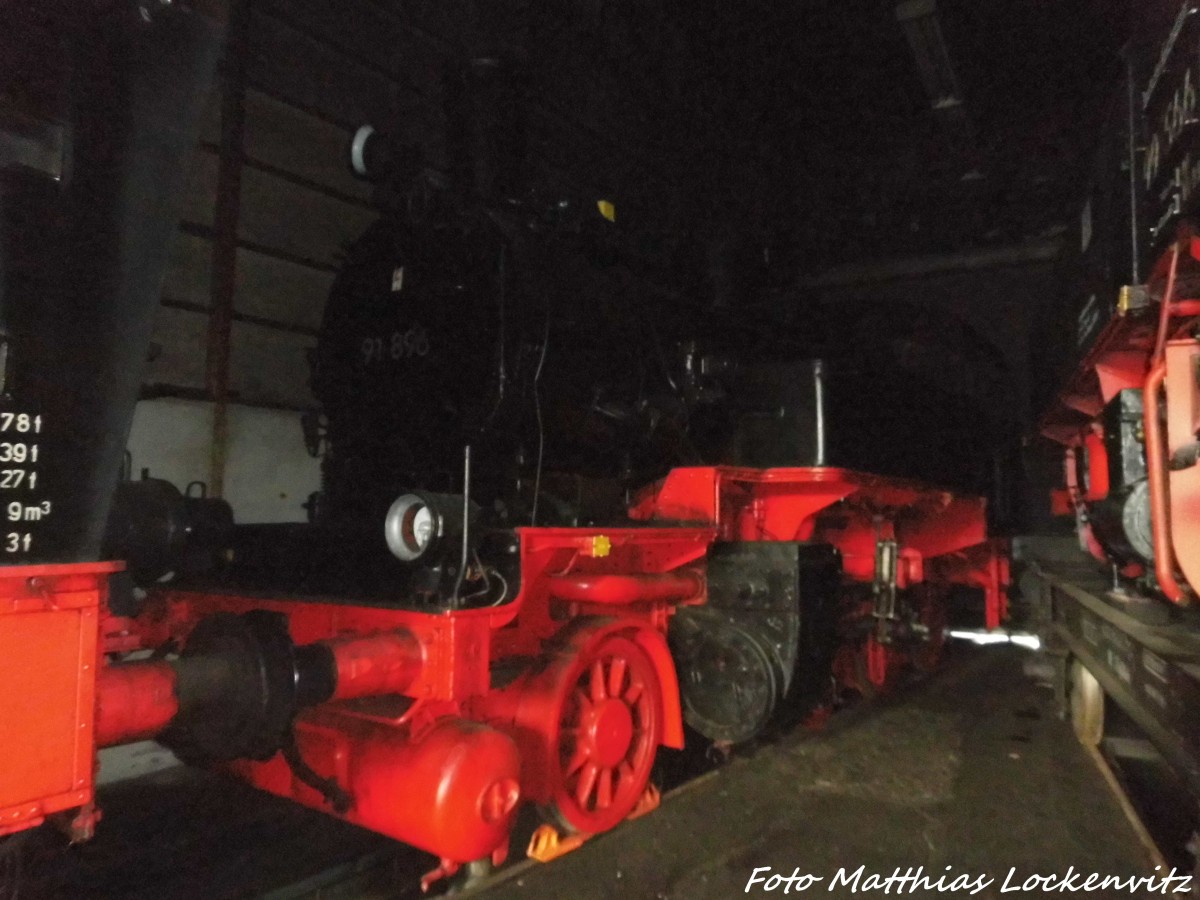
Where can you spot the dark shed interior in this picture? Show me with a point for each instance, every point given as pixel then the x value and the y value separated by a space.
pixel 640 237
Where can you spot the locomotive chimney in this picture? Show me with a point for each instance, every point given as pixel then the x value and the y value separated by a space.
pixel 483 127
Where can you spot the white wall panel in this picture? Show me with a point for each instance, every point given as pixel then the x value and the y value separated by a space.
pixel 269 474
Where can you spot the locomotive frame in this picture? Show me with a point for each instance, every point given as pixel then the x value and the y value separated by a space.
pixel 430 726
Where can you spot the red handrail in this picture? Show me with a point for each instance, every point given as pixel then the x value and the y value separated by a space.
pixel 1164 556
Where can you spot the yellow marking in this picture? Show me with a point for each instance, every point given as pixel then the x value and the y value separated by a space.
pixel 1123 299
pixel 547 843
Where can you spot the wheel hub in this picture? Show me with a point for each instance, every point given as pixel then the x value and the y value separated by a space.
pixel 608 731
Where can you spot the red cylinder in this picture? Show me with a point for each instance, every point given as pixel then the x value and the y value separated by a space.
pixel 134 701
pixel 381 664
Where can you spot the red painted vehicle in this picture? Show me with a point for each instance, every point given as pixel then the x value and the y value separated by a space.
pixel 1124 631
pixel 432 726
pixel 1127 420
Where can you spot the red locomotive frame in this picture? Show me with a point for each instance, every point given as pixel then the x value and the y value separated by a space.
pixel 1153 348
pixel 438 724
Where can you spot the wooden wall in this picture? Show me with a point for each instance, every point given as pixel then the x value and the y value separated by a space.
pixel 251 268
pixel 314 70
pixel 227 374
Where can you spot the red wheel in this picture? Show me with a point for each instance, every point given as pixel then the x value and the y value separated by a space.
pixel 609 729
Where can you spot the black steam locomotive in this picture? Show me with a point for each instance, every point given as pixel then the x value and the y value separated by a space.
pixel 516 330
pixel 525 324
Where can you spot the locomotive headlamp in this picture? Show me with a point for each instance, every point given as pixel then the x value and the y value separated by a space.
pixel 413 527
pixel 426 529
pixel 378 157
pixel 371 154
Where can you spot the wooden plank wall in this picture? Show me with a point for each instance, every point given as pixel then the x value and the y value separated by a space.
pixel 315 71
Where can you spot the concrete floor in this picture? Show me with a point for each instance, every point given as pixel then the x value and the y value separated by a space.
pixel 971 771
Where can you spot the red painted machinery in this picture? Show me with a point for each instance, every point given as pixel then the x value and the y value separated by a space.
pixel 431 727
pixel 1128 421
pixel 49 657
pixel 1126 417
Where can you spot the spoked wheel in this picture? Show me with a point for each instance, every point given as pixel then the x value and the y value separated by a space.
pixel 609 729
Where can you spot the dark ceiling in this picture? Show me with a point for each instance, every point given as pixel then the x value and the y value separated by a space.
pixel 807 127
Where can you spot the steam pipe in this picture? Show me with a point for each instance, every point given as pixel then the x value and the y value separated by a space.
pixel 819 404
pixel 619 589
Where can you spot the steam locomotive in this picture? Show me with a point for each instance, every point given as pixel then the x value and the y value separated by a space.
pixel 557 522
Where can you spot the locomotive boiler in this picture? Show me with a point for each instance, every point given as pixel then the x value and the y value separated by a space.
pixel 562 515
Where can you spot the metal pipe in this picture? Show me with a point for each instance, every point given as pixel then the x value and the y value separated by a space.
pixel 819 402
pixel 1164 558
pixel 466 529
pixel 621 589
pixel 1131 125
